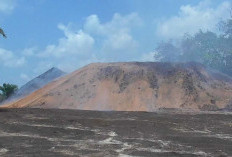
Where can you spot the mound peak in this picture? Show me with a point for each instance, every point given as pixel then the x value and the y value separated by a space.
pixel 37 83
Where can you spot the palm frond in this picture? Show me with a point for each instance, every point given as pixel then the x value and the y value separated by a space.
pixel 2 33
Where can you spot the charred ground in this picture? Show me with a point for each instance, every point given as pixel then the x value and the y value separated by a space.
pixel 52 132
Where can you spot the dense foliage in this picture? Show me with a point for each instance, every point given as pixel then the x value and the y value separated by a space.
pixel 7 90
pixel 208 48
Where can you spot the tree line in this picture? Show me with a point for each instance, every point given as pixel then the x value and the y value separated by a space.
pixel 209 48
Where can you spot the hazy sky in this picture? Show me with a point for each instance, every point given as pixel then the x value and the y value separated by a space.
pixel 69 34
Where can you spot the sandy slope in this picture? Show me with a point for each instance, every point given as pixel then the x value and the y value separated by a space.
pixel 135 87
pixel 35 84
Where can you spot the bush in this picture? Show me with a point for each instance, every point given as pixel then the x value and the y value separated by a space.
pixel 7 90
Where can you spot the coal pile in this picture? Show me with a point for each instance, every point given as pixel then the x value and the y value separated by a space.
pixel 135 86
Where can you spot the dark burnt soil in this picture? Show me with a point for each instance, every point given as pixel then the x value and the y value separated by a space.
pixel 40 132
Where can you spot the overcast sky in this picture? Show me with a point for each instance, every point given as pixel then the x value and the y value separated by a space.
pixel 69 34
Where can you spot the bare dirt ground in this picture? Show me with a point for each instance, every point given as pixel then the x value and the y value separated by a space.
pixel 53 132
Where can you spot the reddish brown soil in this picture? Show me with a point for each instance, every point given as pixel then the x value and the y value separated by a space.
pixel 135 87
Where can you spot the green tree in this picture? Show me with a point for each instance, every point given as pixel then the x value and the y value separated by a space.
pixel 226 27
pixel 226 44
pixel 203 47
pixel 208 48
pixel 8 89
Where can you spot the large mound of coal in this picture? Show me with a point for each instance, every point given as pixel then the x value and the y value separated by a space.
pixel 136 86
